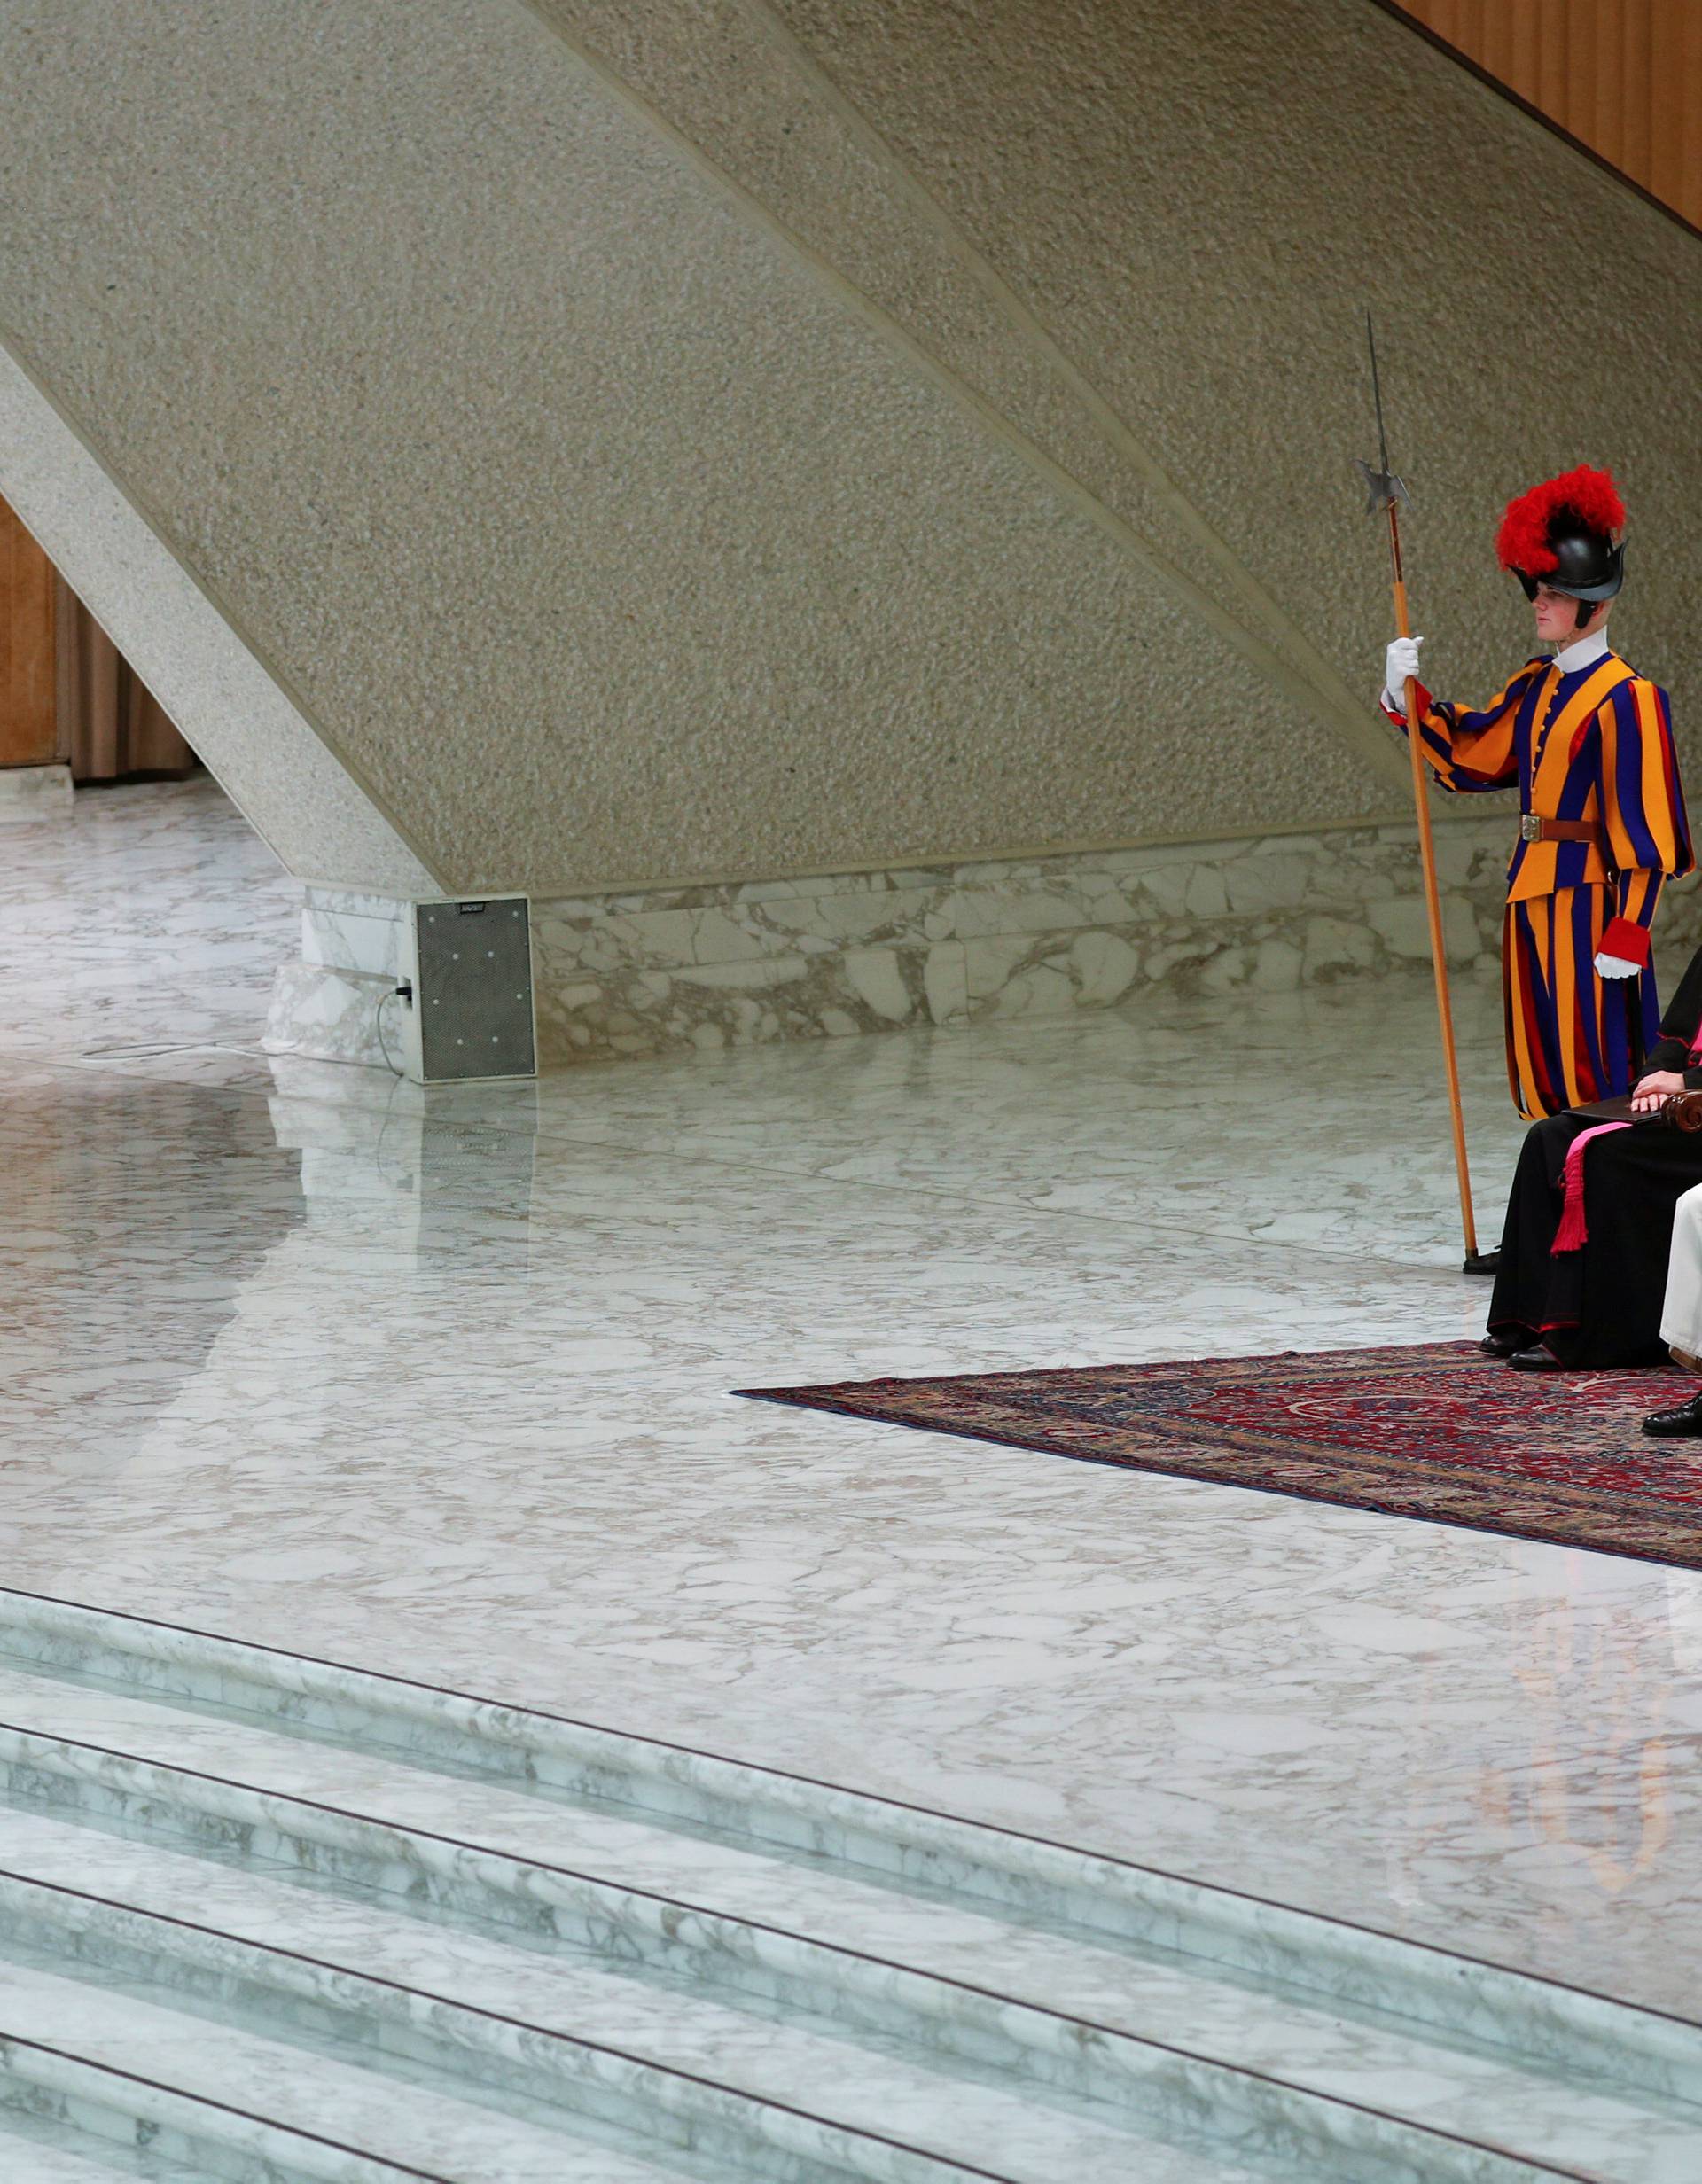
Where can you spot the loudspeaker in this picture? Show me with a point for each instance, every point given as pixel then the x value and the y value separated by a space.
pixel 471 1013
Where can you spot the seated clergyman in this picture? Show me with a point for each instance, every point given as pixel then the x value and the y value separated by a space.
pixel 1680 1317
pixel 1584 1251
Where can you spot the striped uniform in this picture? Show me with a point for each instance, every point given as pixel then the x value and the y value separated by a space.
pixel 1594 746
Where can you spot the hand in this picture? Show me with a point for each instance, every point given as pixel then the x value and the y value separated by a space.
pixel 1660 1084
pixel 1615 967
pixel 1400 665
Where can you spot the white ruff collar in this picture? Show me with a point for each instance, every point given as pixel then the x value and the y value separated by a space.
pixel 1581 652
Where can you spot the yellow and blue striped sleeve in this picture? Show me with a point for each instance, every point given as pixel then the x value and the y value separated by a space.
pixel 1641 797
pixel 1471 748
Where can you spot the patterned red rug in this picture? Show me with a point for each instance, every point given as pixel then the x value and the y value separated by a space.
pixel 1430 1430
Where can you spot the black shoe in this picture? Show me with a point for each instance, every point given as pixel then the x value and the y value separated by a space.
pixel 1538 1359
pixel 1682 1418
pixel 1503 1345
pixel 1486 1263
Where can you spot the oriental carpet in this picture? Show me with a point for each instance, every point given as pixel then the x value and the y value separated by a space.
pixel 1434 1430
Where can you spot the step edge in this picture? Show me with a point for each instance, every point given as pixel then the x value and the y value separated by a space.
pixel 823 2138
pixel 1258 2095
pixel 62 2069
pixel 1314 1937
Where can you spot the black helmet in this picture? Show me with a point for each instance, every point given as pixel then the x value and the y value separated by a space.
pixel 1587 565
pixel 1563 534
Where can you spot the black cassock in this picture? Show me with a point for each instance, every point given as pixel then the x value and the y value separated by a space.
pixel 1600 1304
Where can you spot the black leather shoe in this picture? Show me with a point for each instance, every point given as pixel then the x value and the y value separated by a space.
pixel 1503 1345
pixel 1682 1418
pixel 1538 1359
pixel 1486 1263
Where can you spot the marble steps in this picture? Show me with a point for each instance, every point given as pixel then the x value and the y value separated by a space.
pixel 880 1839
pixel 31 2160
pixel 746 2065
pixel 28 2155
pixel 753 2094
pixel 119 2073
pixel 875 1974
pixel 752 2076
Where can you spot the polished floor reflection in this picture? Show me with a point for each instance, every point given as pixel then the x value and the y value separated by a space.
pixel 436 1382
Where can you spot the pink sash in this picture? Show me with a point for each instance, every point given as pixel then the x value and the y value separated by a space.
pixel 1571 1233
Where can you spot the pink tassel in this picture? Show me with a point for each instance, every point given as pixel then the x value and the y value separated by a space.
pixel 1572 1234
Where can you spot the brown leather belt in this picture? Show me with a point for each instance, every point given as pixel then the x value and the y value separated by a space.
pixel 1532 828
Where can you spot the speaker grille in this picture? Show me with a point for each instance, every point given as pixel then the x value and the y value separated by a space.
pixel 475 994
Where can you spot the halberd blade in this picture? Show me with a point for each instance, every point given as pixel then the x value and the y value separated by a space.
pixel 1383 488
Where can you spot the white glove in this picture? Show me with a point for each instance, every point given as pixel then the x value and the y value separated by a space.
pixel 1615 967
pixel 1400 662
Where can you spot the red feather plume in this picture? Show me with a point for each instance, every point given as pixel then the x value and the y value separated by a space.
pixel 1592 495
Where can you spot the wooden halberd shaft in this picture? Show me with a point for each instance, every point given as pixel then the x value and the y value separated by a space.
pixel 1433 898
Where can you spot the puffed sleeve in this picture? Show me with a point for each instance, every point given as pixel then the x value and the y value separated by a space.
pixel 1471 748
pixel 1647 832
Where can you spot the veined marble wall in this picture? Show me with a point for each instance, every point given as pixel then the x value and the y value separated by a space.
pixel 705 969
pixel 714 967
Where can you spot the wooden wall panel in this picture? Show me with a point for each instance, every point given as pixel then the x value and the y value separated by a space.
pixel 28 703
pixel 1623 76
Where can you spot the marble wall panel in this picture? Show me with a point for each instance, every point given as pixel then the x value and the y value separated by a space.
pixel 711 968
pixel 706 969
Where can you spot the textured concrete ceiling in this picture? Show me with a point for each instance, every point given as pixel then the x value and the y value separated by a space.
pixel 643 441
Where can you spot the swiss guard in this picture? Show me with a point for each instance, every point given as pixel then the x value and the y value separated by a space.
pixel 1587 742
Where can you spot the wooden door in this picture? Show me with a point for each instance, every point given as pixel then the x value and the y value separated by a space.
pixel 1619 75
pixel 29 733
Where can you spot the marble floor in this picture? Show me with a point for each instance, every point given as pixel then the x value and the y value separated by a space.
pixel 437 1383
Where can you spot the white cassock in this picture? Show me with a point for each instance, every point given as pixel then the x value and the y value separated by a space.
pixel 1680 1318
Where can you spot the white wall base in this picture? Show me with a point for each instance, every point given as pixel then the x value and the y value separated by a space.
pixel 700 970
pixel 327 1007
pixel 324 1015
pixel 31 792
